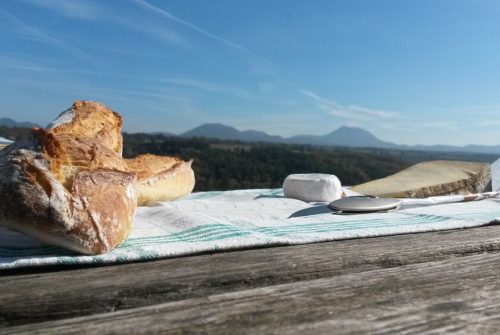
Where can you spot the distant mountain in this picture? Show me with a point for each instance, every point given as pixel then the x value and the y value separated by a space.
pixel 220 131
pixel 489 149
pixel 472 148
pixel 345 137
pixel 5 121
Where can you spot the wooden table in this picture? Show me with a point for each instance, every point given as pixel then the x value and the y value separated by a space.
pixel 431 282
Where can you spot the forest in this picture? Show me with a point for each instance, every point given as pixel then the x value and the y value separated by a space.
pixel 227 165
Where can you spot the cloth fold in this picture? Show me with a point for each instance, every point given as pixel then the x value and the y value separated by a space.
pixel 214 221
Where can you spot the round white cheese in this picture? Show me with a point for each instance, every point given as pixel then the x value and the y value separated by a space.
pixel 312 187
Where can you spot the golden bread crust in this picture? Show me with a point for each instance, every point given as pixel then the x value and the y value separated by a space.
pixel 68 185
pixel 148 165
pixel 161 178
pixel 69 154
pixel 106 199
pixel 92 120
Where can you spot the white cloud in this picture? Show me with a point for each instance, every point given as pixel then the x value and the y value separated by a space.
pixel 466 110
pixel 136 20
pixel 17 63
pixel 91 11
pixel 443 125
pixel 266 87
pixel 210 87
pixel 489 123
pixel 165 14
pixel 164 34
pixel 70 8
pixel 349 112
pixel 27 31
pixel 371 112
pixel 367 117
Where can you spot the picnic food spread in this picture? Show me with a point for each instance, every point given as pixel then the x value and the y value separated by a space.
pixel 68 184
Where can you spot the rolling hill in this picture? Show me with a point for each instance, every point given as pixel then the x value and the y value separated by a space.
pixel 5 121
pixel 341 137
pixel 223 132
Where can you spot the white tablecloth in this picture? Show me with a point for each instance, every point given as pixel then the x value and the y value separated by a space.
pixel 214 221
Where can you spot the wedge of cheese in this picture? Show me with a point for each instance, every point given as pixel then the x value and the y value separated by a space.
pixel 430 179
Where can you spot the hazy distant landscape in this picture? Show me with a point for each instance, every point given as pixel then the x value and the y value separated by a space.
pixel 228 164
pixel 225 164
pixel 342 137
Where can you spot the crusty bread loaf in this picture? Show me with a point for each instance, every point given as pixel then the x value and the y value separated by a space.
pixel 70 154
pixel 89 119
pixel 161 178
pixel 68 184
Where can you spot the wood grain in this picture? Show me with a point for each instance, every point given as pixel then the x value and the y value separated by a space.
pixel 449 296
pixel 57 295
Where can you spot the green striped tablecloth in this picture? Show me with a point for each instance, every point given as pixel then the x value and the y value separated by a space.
pixel 212 221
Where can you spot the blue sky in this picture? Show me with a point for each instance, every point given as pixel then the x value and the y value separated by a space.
pixel 411 72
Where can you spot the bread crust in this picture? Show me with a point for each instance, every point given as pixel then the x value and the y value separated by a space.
pixel 161 178
pixel 68 184
pixel 91 120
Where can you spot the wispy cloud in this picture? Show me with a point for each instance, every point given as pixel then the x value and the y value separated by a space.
pixel 70 8
pixel 266 87
pixel 27 31
pixel 95 11
pixel 348 112
pixel 164 34
pixel 165 14
pixel 355 115
pixel 489 123
pixel 210 87
pixel 470 110
pixel 137 21
pixel 15 63
pixel 443 125
pixel 158 94
pixel 282 124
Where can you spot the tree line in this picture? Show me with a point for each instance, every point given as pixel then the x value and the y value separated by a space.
pixel 227 165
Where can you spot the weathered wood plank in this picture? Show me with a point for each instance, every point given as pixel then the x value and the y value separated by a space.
pixel 50 296
pixel 461 294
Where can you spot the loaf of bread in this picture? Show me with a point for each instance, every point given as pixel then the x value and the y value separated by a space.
pixel 68 184
pixel 161 178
